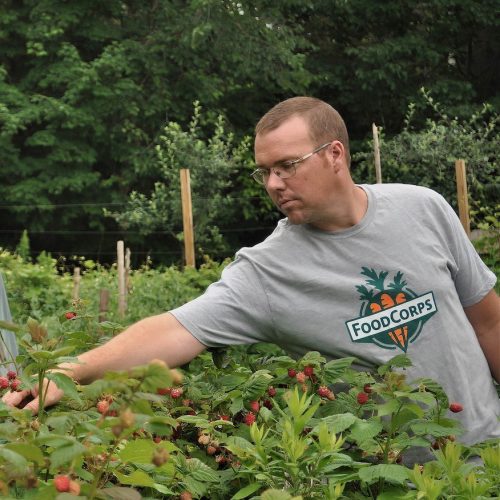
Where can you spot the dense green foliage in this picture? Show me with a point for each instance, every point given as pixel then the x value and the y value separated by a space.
pixel 86 89
pixel 244 422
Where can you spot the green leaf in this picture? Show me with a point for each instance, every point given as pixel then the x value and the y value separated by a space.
pixel 399 361
pixel 256 385
pixel 139 451
pixel 201 472
pixel 247 491
pixel 137 478
pixel 121 493
pixel 389 472
pixel 240 446
pixel 363 430
pixel 388 408
pixel 66 453
pixel 28 451
pixel 14 459
pixel 278 495
pixel 434 429
pixel 66 384
pixel 333 369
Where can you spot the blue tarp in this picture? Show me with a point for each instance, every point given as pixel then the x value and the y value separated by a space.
pixel 8 344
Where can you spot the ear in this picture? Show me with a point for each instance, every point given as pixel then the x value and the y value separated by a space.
pixel 337 154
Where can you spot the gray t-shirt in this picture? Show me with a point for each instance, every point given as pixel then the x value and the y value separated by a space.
pixel 396 282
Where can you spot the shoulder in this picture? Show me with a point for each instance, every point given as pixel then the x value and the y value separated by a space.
pixel 407 195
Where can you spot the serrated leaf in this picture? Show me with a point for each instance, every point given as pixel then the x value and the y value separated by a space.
pixel 278 495
pixel 121 493
pixel 66 384
pixel 13 458
pixel 436 430
pixel 66 453
pixel 246 491
pixel 194 419
pixel 240 446
pixel 389 472
pixel 363 430
pixel 201 472
pixel 333 369
pixel 198 488
pixel 139 451
pixel 137 478
pixel 28 451
pixel 399 361
pixel 256 385
pixel 388 408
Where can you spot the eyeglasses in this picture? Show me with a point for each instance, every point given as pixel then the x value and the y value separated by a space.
pixel 284 169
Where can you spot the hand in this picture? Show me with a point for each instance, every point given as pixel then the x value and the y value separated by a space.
pixel 18 398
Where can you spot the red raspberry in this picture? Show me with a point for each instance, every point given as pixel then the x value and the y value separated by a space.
pixel 62 483
pixel 11 375
pixel 271 391
pixel 367 388
pixel 225 417
pixel 254 406
pixel 211 450
pixel 323 391
pixel 185 495
pixel 157 439
pixel 103 407
pixel 308 371
pixel 249 418
pixel 456 407
pixel 14 384
pixel 301 377
pixel 176 393
pixel 268 404
pixel 362 398
pixel 291 372
pixel 70 315
pixel 4 382
pixel 163 391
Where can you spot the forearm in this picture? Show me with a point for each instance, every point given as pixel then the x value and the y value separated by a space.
pixel 157 337
pixel 485 319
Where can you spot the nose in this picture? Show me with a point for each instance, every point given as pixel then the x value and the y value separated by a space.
pixel 274 182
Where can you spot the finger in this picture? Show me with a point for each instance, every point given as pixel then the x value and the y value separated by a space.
pixel 34 406
pixel 13 398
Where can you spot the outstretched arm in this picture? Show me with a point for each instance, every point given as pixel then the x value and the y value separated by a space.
pixel 157 337
pixel 485 319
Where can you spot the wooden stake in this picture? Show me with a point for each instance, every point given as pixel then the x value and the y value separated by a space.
pixel 103 304
pixel 187 217
pixel 127 270
pixel 76 283
pixel 376 154
pixel 122 291
pixel 462 196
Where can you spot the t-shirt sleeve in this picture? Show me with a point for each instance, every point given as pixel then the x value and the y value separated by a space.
pixel 234 310
pixel 473 279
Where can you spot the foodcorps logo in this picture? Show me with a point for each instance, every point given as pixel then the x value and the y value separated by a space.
pixel 391 316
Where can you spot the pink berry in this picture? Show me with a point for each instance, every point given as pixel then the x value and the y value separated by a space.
pixel 367 388
pixel 249 418
pixel 456 407
pixel 308 371
pixel 176 393
pixel 271 391
pixel 14 384
pixel 62 483
pixel 103 407
pixel 323 391
pixel 301 377
pixel 70 315
pixel 4 382
pixel 292 372
pixel 11 375
pixel 254 406
pixel 362 398
pixel 162 391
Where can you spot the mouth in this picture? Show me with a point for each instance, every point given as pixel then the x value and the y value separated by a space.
pixel 284 204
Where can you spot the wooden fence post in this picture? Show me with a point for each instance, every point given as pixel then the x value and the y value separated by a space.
pixel 376 154
pixel 127 270
pixel 462 196
pixel 122 292
pixel 187 217
pixel 103 304
pixel 76 283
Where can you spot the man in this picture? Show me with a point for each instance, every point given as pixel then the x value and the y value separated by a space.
pixel 364 271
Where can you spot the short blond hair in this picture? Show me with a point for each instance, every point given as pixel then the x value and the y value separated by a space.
pixel 324 121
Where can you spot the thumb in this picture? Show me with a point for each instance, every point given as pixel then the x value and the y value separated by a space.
pixel 14 398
